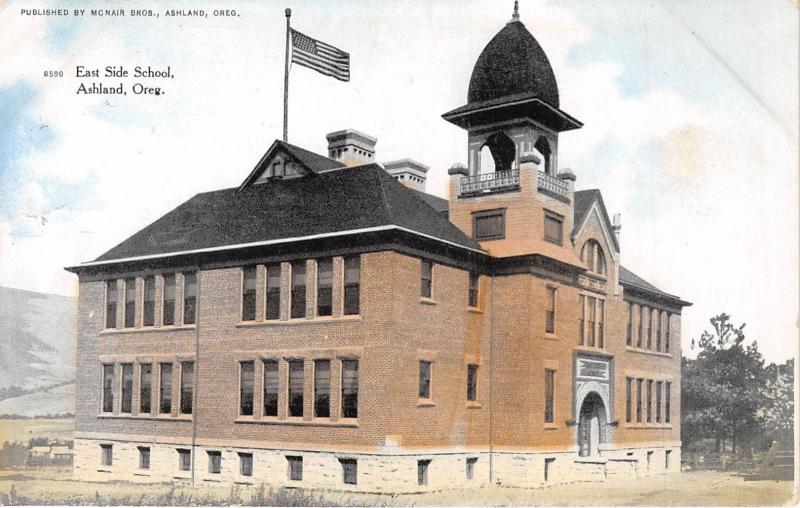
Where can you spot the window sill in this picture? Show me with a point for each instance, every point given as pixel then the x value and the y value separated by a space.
pixel 425 403
pixel 164 417
pixel 631 349
pixel 651 426
pixel 298 321
pixel 473 404
pixel 147 329
pixel 475 310
pixel 316 422
pixel 427 301
pixel 594 351
pixel 550 336
pixel 550 426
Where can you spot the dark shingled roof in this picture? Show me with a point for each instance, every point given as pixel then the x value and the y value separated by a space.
pixel 313 161
pixel 343 200
pixel 583 201
pixel 628 277
pixel 441 205
pixel 513 63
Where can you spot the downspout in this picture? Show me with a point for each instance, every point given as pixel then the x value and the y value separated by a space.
pixel 195 405
pixel 491 381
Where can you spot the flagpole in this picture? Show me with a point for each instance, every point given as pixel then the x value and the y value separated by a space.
pixel 286 80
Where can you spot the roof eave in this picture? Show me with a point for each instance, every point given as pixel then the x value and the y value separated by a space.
pixel 461 116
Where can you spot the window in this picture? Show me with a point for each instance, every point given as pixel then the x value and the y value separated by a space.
pixel 582 318
pixel 658 401
pixel 553 228
pixel 549 389
pixel 548 468
pixel 592 319
pixel 668 336
pixel 471 461
pixel 130 303
pixel 145 387
pixel 472 382
pixel 658 316
pixel 296 381
pixel 629 329
pixel 184 459
pixel 666 458
pixel 108 388
pixel 270 388
pixel 144 457
pixel 426 276
pixel 424 379
pixel 273 291
pixel 107 454
pixel 550 321
pixel 322 388
pixel 298 289
pixel 639 333
pixel 628 398
pixel 249 293
pixel 127 388
pixel 472 296
pixel 246 379
pixel 349 388
pixel 667 395
pixel 649 401
pixel 245 464
pixel 422 471
pixel 168 314
pixel 165 389
pixel 295 468
pixel 349 471
pixel 352 285
pixel 489 225
pixel 601 310
pixel 214 461
pixel 189 298
pixel 639 400
pixel 649 458
pixel 149 318
pixel 593 258
pixel 187 387
pixel 649 314
pixel 325 287
pixel 111 304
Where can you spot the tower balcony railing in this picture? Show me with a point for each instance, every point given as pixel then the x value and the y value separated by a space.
pixel 496 181
pixel 553 184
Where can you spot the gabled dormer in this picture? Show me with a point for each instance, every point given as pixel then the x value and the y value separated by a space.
pixel 594 238
pixel 284 160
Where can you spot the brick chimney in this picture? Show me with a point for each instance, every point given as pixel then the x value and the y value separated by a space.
pixel 351 148
pixel 408 172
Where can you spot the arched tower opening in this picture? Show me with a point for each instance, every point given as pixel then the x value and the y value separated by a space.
pixel 503 153
pixel 543 147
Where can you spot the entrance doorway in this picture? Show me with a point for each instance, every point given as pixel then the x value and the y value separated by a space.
pixel 592 425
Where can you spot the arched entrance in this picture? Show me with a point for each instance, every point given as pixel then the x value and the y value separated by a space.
pixel 592 425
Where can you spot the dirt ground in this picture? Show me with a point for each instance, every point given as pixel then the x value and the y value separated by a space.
pixel 54 486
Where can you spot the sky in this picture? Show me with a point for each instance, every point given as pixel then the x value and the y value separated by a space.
pixel 690 112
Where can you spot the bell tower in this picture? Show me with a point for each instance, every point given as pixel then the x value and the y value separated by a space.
pixel 513 121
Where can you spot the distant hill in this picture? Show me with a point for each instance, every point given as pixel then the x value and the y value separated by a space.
pixel 37 348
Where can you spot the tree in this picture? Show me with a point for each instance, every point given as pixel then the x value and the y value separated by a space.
pixel 777 404
pixel 722 388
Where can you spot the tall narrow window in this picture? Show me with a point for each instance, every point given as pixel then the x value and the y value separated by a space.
pixel 592 320
pixel 472 296
pixel 471 461
pixel 126 403
pixel 246 378
pixel 214 461
pixel 422 471
pixel 187 387
pixel 144 457
pixel 582 318
pixel 149 318
pixel 639 332
pixel 295 468
pixel 168 317
pixel 108 388
pixel 550 320
pixel 639 383
pixel 649 401
pixel 145 387
pixel 274 291
pixel 352 285
pixel 668 337
pixel 325 287
pixel 629 329
pixel 649 317
pixel 107 454
pixel 601 332
pixel 659 388
pixel 658 316
pixel 249 293
pixel 349 471
pixel 424 379
pixel 111 304
pixel 553 228
pixel 349 388
pixel 130 303
pixel 426 279
pixel 298 289
pixel 628 398
pixel 165 388
pixel 667 396
pixel 245 464
pixel 472 382
pixel 296 382
pixel 549 392
pixel 189 298
pixel 271 388
pixel 184 459
pixel 322 388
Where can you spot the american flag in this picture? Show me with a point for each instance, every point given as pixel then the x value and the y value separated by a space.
pixel 319 56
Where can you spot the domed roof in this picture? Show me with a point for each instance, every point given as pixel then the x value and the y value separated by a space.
pixel 513 63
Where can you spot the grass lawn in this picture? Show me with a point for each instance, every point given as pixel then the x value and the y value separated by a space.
pixel 56 486
pixel 24 430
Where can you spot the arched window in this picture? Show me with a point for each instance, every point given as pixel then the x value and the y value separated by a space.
pixel 503 153
pixel 593 258
pixel 543 147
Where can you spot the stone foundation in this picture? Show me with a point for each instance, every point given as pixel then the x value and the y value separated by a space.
pixel 379 471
